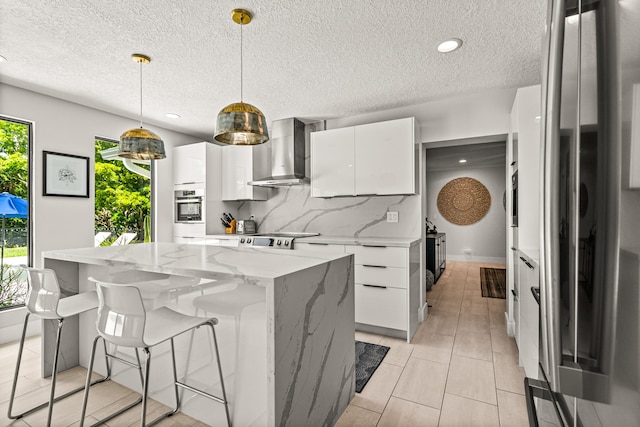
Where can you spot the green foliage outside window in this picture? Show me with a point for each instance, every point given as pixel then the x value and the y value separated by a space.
pixel 14 172
pixel 14 179
pixel 122 198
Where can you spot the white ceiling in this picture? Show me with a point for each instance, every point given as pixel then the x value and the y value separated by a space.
pixel 304 58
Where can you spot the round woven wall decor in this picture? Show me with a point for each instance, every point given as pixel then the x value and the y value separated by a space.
pixel 464 201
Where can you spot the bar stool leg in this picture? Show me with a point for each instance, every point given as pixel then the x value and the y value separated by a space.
pixel 54 374
pixel 88 382
pixel 15 376
pixel 224 393
pixel 145 387
pixel 175 377
pixel 87 385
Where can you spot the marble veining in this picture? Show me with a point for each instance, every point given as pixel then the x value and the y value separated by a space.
pixel 293 209
pixel 288 361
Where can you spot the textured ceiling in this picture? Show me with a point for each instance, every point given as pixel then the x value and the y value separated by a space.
pixel 304 58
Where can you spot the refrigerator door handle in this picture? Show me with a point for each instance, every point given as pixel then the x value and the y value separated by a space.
pixel 550 328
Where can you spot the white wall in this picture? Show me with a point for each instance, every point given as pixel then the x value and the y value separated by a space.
pixel 485 238
pixel 469 116
pixel 62 126
pixel 65 127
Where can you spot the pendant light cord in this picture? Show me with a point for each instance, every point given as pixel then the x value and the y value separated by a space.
pixel 241 69
pixel 140 94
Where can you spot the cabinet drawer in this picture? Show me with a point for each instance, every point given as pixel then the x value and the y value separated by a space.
pixel 393 277
pixel 318 247
pixel 379 255
pixel 386 307
pixel 189 230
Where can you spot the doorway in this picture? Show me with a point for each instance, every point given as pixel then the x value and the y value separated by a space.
pixel 485 239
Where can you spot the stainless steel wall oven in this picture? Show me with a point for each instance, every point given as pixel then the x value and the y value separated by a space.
pixel 189 205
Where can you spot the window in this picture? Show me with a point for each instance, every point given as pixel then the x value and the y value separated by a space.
pixel 15 237
pixel 122 197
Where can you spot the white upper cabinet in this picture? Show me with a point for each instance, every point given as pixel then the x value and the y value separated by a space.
pixel 241 164
pixel 189 163
pixel 372 159
pixel 385 154
pixel 332 163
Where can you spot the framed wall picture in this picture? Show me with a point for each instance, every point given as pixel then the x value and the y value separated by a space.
pixel 65 175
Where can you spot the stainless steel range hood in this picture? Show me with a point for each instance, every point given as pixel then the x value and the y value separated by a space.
pixel 287 155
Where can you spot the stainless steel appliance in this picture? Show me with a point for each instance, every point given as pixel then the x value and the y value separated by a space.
pixel 189 205
pixel 246 226
pixel 288 146
pixel 273 240
pixel 589 281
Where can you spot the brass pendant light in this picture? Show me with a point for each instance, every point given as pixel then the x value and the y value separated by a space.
pixel 140 143
pixel 240 123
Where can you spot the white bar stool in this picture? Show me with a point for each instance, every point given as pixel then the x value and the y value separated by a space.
pixel 123 321
pixel 231 303
pixel 44 301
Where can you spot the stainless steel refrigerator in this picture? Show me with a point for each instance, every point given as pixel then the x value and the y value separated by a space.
pixel 590 267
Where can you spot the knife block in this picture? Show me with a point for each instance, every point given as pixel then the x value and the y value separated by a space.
pixel 232 229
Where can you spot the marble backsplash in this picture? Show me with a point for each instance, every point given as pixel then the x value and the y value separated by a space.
pixel 293 209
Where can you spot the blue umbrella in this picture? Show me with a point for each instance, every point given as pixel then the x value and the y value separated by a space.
pixel 10 207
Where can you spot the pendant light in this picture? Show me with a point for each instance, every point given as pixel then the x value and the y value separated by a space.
pixel 241 123
pixel 140 143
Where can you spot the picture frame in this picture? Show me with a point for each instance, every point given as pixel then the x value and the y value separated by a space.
pixel 65 175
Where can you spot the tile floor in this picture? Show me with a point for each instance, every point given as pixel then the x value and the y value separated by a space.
pixel 460 370
pixel 104 399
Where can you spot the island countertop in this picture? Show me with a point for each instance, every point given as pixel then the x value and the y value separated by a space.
pixel 287 349
pixel 211 262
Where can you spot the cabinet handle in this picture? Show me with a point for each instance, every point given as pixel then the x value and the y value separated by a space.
pixel 513 163
pixel 515 295
pixel 513 248
pixel 373 246
pixel 314 243
pixel 374 266
pixel 375 286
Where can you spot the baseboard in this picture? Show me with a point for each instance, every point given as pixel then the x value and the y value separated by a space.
pixel 510 324
pixel 423 312
pixel 12 321
pixel 471 258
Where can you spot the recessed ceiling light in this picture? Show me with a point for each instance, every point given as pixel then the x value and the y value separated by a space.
pixel 173 115
pixel 449 45
pixel 3 59
pixel 462 161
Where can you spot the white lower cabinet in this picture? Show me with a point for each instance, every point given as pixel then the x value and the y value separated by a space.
pixel 386 296
pixel 381 306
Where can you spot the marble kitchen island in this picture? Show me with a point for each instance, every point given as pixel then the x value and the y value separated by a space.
pixel 288 359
